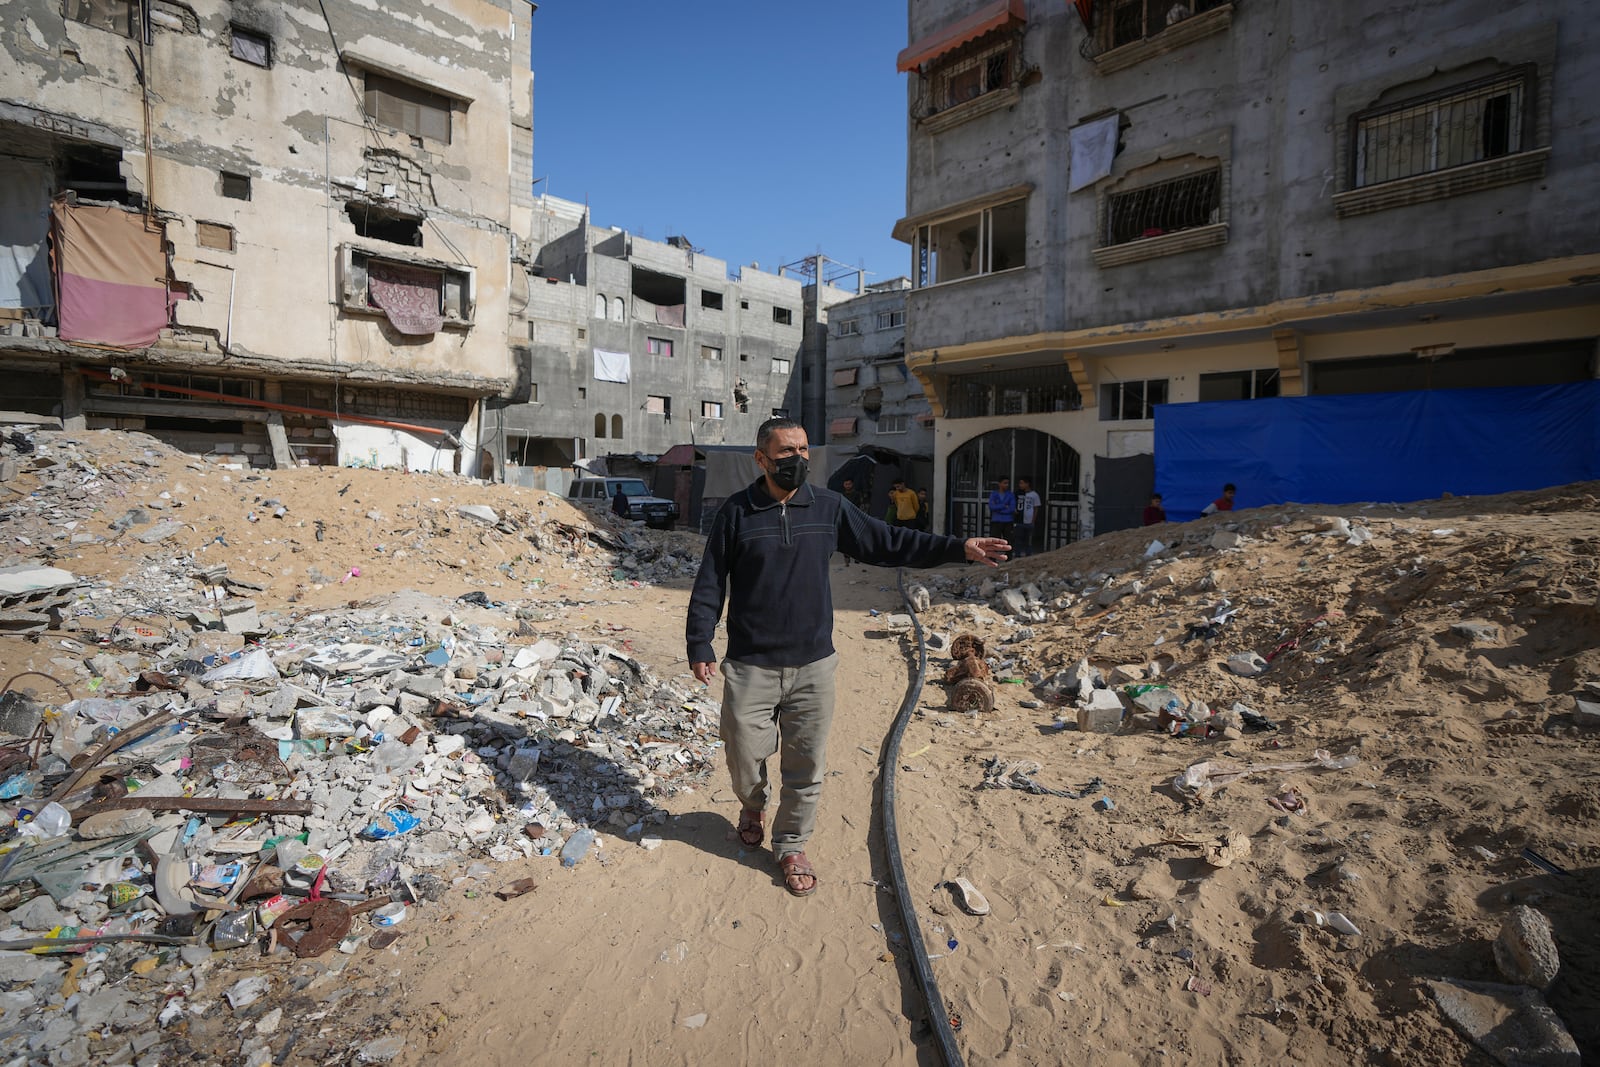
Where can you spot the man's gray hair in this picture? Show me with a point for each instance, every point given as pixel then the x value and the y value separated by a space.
pixel 772 426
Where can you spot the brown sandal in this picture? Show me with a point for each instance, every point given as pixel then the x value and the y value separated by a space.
pixel 795 866
pixel 751 829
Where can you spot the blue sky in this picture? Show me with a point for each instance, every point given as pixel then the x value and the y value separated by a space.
pixel 762 131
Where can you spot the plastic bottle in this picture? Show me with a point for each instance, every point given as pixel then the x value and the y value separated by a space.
pixel 577 847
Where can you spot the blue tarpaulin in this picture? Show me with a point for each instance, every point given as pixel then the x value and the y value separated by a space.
pixel 1376 446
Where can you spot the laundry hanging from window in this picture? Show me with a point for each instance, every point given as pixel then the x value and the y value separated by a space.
pixel 409 296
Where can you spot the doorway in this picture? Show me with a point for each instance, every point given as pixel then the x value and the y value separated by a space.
pixel 975 470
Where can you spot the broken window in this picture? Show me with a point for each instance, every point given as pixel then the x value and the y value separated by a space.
pixel 983 242
pixel 711 352
pixel 783 316
pixel 780 365
pixel 658 297
pixel 890 320
pixel 658 405
pixel 250 46
pixel 850 328
pixel 235 186
pixel 118 16
pixel 710 409
pixel 1134 20
pixel 409 108
pixel 94 173
pixel 1466 123
pixel 658 346
pixel 380 223
pixel 1239 385
pixel 893 423
pixel 1122 401
pixel 710 300
pixel 1165 207
pixel 214 235
pixel 417 296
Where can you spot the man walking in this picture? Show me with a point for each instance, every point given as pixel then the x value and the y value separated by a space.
pixel 1002 509
pixel 767 557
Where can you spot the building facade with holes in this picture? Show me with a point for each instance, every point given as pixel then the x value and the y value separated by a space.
pixel 313 205
pixel 634 346
pixel 876 409
pixel 1116 204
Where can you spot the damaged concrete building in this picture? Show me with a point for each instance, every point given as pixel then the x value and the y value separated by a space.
pixel 285 232
pixel 1118 204
pixel 880 426
pixel 633 346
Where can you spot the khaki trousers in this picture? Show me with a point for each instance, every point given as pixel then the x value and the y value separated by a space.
pixel 784 710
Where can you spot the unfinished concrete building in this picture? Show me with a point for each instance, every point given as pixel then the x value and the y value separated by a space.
pixel 282 231
pixel 633 346
pixel 876 410
pixel 1121 203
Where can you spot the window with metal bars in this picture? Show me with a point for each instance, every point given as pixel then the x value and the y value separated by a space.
pixel 1030 391
pixel 1134 20
pixel 1463 124
pixel 1165 207
pixel 982 67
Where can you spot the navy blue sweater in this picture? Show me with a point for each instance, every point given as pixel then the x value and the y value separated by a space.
pixel 775 558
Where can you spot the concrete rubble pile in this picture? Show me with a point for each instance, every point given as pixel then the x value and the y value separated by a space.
pixel 195 783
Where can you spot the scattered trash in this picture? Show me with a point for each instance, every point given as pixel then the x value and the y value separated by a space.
pixel 1337 921
pixel 967 896
pixel 521 887
pixel 1201 780
pixel 1018 774
pixel 577 847
pixel 389 915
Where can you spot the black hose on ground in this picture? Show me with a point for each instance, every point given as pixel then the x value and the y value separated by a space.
pixel 921 967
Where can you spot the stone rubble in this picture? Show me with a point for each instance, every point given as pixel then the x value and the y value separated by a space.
pixel 414 737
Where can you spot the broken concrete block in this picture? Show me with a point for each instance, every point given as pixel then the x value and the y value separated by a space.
pixel 1079 678
pixel 1477 631
pixel 1153 700
pixel 116 823
pixel 1525 951
pixel 1013 601
pixel 1113 593
pixel 160 532
pixel 1511 1023
pixel 1586 712
pixel 1246 664
pixel 1224 540
pixel 240 617
pixel 479 513
pixel 1101 714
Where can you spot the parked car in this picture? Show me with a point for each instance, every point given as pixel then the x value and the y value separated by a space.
pixel 596 494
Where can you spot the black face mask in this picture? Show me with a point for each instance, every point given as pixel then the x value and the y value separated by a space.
pixel 789 473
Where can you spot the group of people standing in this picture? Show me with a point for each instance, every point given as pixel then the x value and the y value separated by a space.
pixel 907 507
pixel 1013 515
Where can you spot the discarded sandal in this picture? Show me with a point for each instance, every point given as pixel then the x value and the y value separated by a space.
pixel 751 829
pixel 968 897
pixel 796 869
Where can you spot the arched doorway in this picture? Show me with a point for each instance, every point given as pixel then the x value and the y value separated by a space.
pixel 975 469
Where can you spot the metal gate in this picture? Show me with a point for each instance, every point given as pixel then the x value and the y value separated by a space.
pixel 975 470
